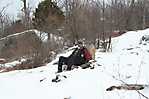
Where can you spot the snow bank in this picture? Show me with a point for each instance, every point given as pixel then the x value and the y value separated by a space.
pixel 128 40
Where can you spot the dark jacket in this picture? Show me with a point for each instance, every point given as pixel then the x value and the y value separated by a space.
pixel 78 56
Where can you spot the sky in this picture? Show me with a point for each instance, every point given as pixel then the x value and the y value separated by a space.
pixel 14 6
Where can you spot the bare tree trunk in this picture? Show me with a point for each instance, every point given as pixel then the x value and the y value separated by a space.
pixel 27 11
pixel 129 15
pixel 111 30
pixel 4 21
pixel 103 27
pixel 71 24
pixel 144 12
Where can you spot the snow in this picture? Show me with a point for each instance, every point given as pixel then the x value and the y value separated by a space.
pixel 14 63
pixel 43 36
pixel 127 63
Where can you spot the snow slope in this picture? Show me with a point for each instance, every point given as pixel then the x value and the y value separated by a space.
pixel 127 63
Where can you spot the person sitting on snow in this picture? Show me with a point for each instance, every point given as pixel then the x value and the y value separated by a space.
pixel 78 57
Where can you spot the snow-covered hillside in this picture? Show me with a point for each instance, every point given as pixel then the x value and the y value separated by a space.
pixel 127 63
pixel 13 44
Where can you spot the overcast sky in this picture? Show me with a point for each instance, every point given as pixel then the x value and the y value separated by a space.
pixel 14 6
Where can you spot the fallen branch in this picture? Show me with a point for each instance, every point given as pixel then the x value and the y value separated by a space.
pixel 126 87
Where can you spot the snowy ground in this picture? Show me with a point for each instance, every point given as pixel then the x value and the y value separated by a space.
pixel 127 63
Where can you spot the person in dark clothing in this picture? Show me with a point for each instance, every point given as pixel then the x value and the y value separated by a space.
pixel 78 57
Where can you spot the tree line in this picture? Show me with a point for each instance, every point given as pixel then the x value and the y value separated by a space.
pixel 77 19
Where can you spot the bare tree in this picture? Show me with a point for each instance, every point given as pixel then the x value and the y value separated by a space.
pixel 26 18
pixel 91 19
pixel 4 21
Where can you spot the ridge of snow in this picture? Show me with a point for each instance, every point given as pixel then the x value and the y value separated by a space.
pixel 17 34
pixel 43 36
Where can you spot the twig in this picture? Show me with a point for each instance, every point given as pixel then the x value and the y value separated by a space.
pixel 43 79
pixel 142 94
pixel 128 86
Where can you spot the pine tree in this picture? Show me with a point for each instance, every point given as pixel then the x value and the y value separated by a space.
pixel 48 16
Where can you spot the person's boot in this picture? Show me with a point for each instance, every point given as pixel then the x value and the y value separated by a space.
pixel 86 65
pixel 56 79
pixel 59 69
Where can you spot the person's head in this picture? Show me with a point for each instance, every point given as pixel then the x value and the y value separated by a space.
pixel 80 44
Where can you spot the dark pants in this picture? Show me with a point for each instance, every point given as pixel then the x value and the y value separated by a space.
pixel 65 61
pixel 69 61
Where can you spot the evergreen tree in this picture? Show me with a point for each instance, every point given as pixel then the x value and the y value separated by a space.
pixel 48 16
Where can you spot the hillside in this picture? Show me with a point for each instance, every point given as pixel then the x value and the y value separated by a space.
pixel 24 45
pixel 126 64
